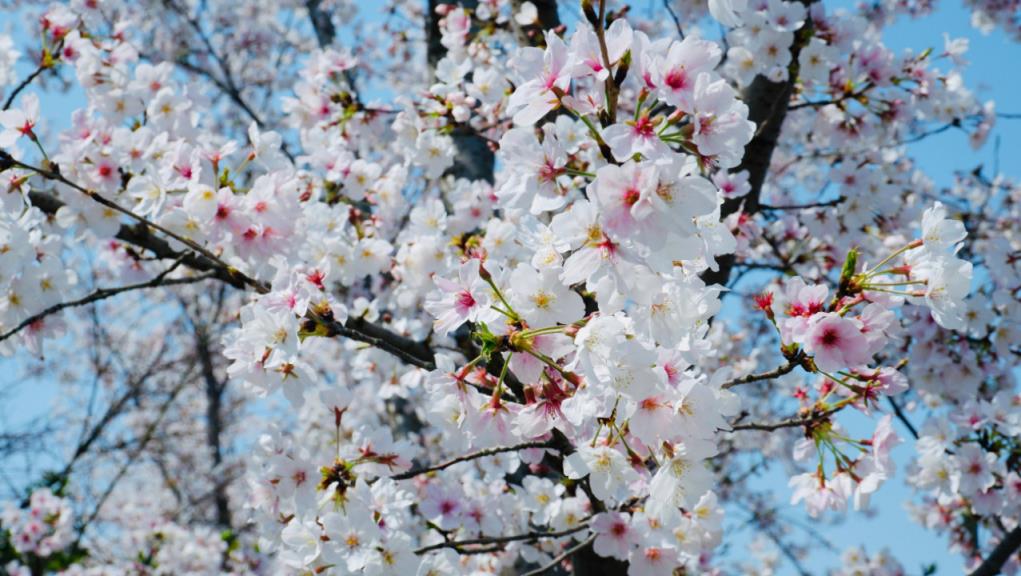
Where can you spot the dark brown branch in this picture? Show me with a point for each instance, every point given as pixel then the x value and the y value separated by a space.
pixel 227 85
pixel 486 540
pixel 43 66
pixel 561 557
pixel 903 417
pixel 843 98
pixel 1007 547
pixel 115 409
pixel 139 235
pixel 24 84
pixel 321 23
pixel 214 422
pixel 749 378
pixel 792 422
pixel 104 293
pixel 147 437
pixel 410 351
pixel 922 136
pixel 8 161
pixel 826 204
pixel 767 107
pixel 474 159
pixel 673 16
pixel 472 456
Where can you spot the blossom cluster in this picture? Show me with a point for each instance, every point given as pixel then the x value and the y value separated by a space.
pixel 41 529
pixel 493 305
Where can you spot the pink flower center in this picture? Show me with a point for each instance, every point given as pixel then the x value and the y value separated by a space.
pixel 677 79
pixel 316 278
pixel 549 172
pixel 644 128
pixel 631 196
pixel 829 338
pixel 465 301
pixel 619 529
pixel 649 404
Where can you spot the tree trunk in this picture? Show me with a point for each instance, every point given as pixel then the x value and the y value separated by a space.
pixel 473 160
pixel 767 108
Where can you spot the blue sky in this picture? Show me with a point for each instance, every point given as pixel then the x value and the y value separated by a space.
pixel 994 73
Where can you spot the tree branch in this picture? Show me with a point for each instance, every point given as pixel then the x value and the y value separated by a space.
pixel 104 293
pixel 775 373
pixel 321 23
pixel 214 422
pixel 792 422
pixel 903 417
pixel 408 350
pixel 826 204
pixel 472 456
pixel 561 557
pixel 673 16
pixel 528 537
pixel 24 83
pixel 1007 547
pixel 767 107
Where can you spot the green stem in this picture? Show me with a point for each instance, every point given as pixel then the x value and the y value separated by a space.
pixel 504 312
pixel 35 140
pixel 548 361
pixel 869 285
pixel 541 331
pixel 832 377
pixel 898 252
pixel 574 172
pixel 503 374
pixel 888 291
pixel 512 314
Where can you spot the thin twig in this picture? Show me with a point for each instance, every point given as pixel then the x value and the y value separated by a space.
pixel 792 422
pixel 749 378
pixel 677 21
pixel 826 204
pixel 472 456
pixel 486 540
pixel 103 294
pixel 998 557
pixel 560 557
pixel 24 84
pixel 844 97
pixel 150 433
pixel 903 417
pixel 56 176
pixel 35 74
